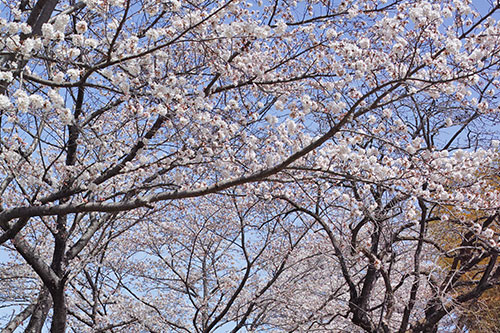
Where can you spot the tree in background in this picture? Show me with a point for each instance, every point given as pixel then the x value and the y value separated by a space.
pixel 478 314
pixel 482 314
pixel 245 166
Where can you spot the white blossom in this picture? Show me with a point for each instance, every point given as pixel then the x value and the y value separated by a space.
pixel 61 22
pixel 73 74
pixel 22 100
pixel 6 76
pixel 5 102
pixel 81 27
pixel 488 233
pixel 176 5
pixel 48 31
pixel 364 43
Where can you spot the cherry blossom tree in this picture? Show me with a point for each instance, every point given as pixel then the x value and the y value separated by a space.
pixel 207 166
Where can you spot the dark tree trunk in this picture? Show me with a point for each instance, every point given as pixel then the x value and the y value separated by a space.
pixel 40 312
pixel 60 311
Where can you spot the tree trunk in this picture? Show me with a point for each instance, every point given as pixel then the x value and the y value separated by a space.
pixel 40 312
pixel 60 311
